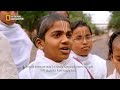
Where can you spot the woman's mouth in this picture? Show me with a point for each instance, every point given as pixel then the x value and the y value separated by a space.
pixel 85 48
pixel 65 50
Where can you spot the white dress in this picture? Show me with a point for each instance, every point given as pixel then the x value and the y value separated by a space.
pixel 8 68
pixel 95 65
pixel 115 75
pixel 20 44
pixel 44 68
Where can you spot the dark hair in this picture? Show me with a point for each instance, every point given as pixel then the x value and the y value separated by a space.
pixel 52 12
pixel 113 36
pixel 79 23
pixel 47 22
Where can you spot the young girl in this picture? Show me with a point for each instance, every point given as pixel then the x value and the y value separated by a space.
pixel 81 46
pixel 114 54
pixel 54 40
pixel 63 13
pixel 20 43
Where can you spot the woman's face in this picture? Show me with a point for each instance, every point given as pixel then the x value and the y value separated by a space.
pixel 81 41
pixel 116 55
pixel 57 45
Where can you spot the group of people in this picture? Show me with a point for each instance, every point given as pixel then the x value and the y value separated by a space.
pixel 63 49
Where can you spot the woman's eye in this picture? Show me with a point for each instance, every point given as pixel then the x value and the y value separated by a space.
pixel 88 37
pixel 69 35
pixel 57 35
pixel 78 38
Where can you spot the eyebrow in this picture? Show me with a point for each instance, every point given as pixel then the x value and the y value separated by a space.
pixel 59 31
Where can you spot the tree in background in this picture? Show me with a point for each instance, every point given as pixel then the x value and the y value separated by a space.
pixel 114 22
pixel 31 17
pixel 30 21
pixel 79 15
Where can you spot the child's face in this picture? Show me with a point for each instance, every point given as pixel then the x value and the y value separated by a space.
pixel 3 16
pixel 81 41
pixel 116 56
pixel 57 45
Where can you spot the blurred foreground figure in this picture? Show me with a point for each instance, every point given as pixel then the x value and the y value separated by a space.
pixel 8 69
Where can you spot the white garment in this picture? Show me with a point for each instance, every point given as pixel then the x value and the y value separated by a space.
pixel 96 65
pixel 39 53
pixel 20 44
pixel 8 68
pixel 44 68
pixel 115 75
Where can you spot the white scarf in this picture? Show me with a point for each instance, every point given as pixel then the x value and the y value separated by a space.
pixel 96 65
pixel 20 44
pixel 39 53
pixel 44 68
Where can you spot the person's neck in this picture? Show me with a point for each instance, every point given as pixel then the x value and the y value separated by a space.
pixel 7 24
pixel 83 55
pixel 54 60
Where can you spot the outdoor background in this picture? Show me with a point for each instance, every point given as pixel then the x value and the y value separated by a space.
pixel 102 23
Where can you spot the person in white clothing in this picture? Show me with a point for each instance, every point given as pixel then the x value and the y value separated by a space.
pixel 63 13
pixel 114 54
pixel 81 46
pixel 8 68
pixel 20 43
pixel 54 39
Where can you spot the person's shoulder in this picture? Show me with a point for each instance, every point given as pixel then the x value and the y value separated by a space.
pixel 110 77
pixel 16 24
pixel 101 63
pixel 25 73
pixel 98 58
pixel 76 63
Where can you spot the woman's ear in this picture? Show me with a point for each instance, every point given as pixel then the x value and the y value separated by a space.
pixel 39 43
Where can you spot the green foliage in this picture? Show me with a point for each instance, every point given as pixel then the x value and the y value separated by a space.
pixel 79 15
pixel 30 18
pixel 115 20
